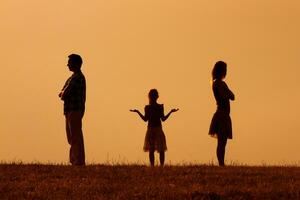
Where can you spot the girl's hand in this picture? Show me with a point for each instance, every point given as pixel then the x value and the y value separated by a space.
pixel 133 110
pixel 174 110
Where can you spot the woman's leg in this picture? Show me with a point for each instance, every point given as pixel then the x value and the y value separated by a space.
pixel 151 158
pixel 162 158
pixel 222 141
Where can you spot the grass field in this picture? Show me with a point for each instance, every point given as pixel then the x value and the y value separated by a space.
pixel 19 181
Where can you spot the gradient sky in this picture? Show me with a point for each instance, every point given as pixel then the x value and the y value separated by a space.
pixel 131 46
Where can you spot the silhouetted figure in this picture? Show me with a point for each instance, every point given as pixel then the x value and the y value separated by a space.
pixel 74 94
pixel 220 126
pixel 155 139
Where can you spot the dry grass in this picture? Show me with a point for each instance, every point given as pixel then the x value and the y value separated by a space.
pixel 18 181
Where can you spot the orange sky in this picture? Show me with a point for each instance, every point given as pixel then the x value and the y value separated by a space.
pixel 132 46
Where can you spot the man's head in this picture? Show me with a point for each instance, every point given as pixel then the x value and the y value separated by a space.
pixel 74 62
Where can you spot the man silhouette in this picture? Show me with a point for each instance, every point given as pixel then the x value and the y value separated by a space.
pixel 74 94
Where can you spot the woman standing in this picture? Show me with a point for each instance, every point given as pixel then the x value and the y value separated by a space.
pixel 220 126
pixel 155 139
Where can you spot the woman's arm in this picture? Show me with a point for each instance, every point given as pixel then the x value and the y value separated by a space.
pixel 165 117
pixel 229 93
pixel 140 114
pixel 224 91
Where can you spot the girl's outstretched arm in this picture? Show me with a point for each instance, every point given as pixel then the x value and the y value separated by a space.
pixel 164 118
pixel 140 114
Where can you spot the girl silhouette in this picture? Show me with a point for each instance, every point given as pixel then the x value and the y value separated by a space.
pixel 221 126
pixel 155 139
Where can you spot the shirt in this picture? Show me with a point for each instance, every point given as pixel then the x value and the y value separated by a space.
pixel 74 93
pixel 153 113
pixel 222 95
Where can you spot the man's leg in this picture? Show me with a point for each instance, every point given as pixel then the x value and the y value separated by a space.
pixel 77 138
pixel 69 138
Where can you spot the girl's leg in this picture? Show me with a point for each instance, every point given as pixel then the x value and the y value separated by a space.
pixel 222 141
pixel 162 158
pixel 151 158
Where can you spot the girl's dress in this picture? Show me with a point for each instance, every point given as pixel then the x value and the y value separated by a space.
pixel 221 125
pixel 155 139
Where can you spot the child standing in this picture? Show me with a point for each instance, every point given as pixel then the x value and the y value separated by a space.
pixel 155 139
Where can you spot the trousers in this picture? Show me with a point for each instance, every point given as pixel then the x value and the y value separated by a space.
pixel 75 137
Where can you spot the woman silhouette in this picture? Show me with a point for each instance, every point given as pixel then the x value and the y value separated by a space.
pixel 220 126
pixel 155 139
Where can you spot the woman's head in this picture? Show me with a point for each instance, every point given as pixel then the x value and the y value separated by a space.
pixel 219 70
pixel 153 95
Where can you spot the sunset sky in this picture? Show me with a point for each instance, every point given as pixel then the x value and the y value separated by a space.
pixel 131 46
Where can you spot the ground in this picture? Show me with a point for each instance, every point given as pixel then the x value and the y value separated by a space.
pixel 201 182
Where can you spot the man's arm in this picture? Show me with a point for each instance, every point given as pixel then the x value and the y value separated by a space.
pixel 71 84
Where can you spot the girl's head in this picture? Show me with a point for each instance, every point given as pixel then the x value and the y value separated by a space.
pixel 153 95
pixel 219 70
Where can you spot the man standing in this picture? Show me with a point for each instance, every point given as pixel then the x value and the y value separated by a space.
pixel 74 94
